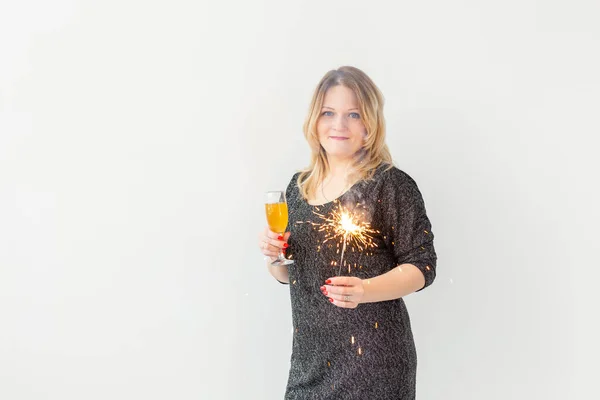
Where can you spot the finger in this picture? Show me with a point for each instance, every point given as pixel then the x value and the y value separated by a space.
pixel 278 244
pixel 265 240
pixel 275 239
pixel 340 297
pixel 268 249
pixel 271 253
pixel 340 290
pixel 273 235
pixel 342 304
pixel 342 281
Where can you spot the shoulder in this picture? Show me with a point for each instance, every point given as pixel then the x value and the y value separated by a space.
pixel 294 181
pixel 398 183
pixel 292 187
pixel 392 175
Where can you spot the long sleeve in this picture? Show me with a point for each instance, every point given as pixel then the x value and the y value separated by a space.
pixel 406 227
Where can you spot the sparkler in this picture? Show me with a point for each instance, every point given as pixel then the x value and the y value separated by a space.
pixel 347 229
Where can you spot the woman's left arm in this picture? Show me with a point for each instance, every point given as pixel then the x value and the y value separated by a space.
pixel 399 282
pixel 407 233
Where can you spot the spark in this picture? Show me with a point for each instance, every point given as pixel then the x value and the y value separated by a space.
pixel 347 229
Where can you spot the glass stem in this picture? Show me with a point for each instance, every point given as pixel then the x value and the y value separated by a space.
pixel 281 254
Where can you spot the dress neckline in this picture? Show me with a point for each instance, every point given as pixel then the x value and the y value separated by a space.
pixel 378 170
pixel 337 199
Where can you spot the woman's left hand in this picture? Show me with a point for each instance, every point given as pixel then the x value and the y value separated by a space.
pixel 344 291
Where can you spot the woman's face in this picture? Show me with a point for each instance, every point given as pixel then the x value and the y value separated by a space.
pixel 340 127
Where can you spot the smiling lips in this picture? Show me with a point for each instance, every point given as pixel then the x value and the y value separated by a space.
pixel 338 137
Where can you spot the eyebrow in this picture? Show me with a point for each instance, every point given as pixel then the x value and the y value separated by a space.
pixel 331 108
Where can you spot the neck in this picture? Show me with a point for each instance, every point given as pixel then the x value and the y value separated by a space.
pixel 339 168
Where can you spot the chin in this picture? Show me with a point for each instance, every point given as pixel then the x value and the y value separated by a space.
pixel 340 154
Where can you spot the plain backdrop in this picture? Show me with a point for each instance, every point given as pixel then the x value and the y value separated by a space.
pixel 137 139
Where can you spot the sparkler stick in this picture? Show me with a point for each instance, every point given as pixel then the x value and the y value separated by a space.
pixel 342 257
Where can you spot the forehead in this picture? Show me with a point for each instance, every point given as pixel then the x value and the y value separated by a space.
pixel 340 97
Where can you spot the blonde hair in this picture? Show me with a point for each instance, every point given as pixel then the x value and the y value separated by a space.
pixel 374 150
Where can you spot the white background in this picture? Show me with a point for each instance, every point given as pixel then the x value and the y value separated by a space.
pixel 137 138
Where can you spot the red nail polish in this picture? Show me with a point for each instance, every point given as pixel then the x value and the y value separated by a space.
pixel 325 293
pixel 285 245
pixel 330 300
pixel 279 237
pixel 328 281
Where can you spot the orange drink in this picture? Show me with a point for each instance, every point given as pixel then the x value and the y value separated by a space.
pixel 277 216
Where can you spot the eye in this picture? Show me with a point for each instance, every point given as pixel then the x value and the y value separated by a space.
pixel 355 115
pixel 327 113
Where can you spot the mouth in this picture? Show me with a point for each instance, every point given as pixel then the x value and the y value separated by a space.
pixel 338 137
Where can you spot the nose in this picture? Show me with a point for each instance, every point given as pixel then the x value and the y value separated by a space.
pixel 339 124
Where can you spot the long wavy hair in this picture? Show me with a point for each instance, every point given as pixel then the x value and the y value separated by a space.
pixel 374 151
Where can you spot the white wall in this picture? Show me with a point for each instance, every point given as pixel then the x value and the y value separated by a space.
pixel 136 139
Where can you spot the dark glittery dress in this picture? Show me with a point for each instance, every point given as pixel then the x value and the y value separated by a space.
pixel 367 352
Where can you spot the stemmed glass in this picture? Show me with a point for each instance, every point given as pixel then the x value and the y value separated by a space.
pixel 277 218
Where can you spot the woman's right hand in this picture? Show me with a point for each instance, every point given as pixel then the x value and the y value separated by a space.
pixel 271 243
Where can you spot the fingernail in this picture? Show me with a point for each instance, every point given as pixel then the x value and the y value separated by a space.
pixel 330 300
pixel 323 288
pixel 279 237
pixel 328 281
pixel 325 293
pixel 285 245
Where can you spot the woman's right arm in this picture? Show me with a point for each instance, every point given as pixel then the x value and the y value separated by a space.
pixel 279 272
pixel 274 242
pixel 271 244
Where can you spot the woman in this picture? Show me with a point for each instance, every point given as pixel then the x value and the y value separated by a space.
pixel 352 333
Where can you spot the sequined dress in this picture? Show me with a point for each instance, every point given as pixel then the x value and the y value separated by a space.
pixel 367 352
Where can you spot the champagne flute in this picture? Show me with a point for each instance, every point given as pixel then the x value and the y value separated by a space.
pixel 277 218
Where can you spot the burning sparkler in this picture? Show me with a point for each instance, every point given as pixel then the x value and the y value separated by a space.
pixel 346 228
